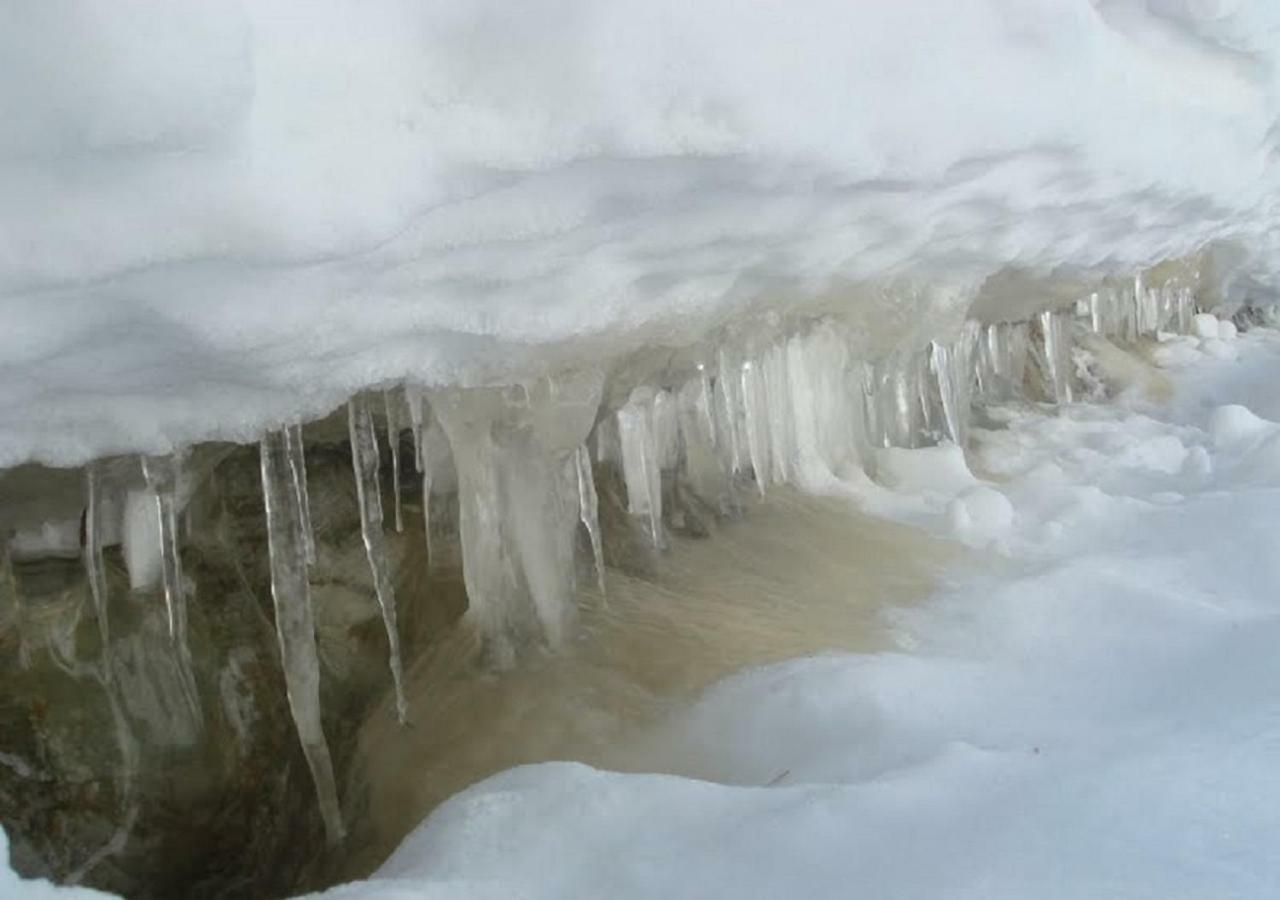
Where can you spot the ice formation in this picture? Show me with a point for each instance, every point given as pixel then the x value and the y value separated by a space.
pixel 295 621
pixel 364 459
pixel 93 563
pixel 162 475
pixel 298 473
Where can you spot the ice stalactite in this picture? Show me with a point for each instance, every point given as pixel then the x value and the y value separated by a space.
pixel 951 382
pixel 777 397
pixel 703 470
pixel 295 621
pixel 640 464
pixel 824 419
pixel 416 401
pixel 298 468
pixel 1001 361
pixel 162 474
pixel 93 564
pixel 390 404
pixel 364 459
pixel 1053 355
pixel 589 509
pixel 518 458
pixel 704 403
pixel 756 424
pixel 728 411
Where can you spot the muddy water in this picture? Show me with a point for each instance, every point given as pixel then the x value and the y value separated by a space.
pixel 796 576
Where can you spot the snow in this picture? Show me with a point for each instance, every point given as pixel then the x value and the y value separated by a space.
pixel 220 218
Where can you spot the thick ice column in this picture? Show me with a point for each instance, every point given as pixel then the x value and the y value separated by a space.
pixel 589 509
pixel 393 441
pixel 364 458
pixel 161 473
pixel 640 469
pixel 522 494
pixel 295 623
pixel 93 564
pixel 298 469
pixel 825 407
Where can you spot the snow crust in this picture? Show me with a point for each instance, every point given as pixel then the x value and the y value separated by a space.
pixel 220 216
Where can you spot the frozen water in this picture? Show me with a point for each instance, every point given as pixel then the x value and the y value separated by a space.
pixel 364 459
pixel 298 470
pixel 93 562
pixel 162 475
pixel 588 509
pixel 295 621
pixel 391 405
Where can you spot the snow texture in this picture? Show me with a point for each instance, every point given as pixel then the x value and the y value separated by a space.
pixel 220 217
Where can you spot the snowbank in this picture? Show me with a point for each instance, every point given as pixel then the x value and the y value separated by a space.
pixel 220 216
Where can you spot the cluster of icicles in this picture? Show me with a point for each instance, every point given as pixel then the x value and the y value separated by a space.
pixel 801 409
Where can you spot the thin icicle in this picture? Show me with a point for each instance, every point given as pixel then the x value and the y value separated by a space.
pixel 727 381
pixel 93 564
pixel 161 473
pixel 364 458
pixel 588 507
pixel 295 622
pixel 298 468
pixel 704 403
pixel 393 440
pixel 417 422
pixel 756 425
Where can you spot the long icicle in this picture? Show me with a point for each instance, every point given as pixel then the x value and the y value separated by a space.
pixel 588 509
pixel 295 621
pixel 298 469
pixel 93 564
pixel 161 473
pixel 364 457
pixel 393 441
pixel 417 421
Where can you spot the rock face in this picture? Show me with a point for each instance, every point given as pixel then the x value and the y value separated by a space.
pixel 126 766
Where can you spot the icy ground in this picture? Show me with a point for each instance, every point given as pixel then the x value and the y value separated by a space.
pixel 222 217
pixel 1091 712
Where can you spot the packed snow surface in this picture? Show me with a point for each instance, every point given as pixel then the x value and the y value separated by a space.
pixel 220 216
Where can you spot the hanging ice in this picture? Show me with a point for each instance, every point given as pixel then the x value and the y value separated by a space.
pixel 295 623
pixel 588 509
pixel 755 417
pixel 517 453
pixel 364 459
pixel 161 473
pixel 415 400
pixel 93 564
pixel 393 441
pixel 728 411
pixel 1054 355
pixel 640 469
pixel 298 468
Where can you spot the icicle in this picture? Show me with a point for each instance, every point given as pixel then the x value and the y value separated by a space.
pixel 702 470
pixel 393 441
pixel 639 460
pixel 364 458
pixel 422 460
pixel 298 467
pixel 161 474
pixel 727 409
pixel 1055 355
pixel 295 623
pixel 704 403
pixel 777 399
pixel 588 509
pixel 93 563
pixel 757 423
